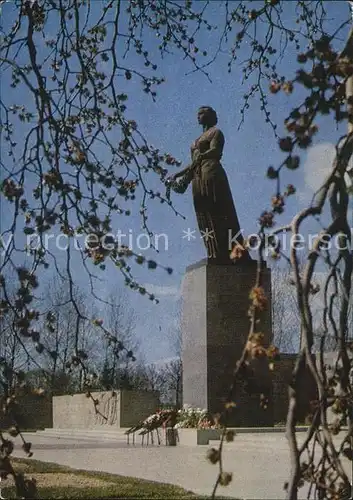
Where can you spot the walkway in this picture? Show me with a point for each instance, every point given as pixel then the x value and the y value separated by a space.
pixel 259 463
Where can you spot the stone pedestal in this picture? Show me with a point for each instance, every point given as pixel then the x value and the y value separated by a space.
pixel 215 326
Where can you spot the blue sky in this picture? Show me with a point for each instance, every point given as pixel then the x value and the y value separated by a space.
pixel 170 124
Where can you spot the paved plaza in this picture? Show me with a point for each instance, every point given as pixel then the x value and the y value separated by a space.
pixel 259 462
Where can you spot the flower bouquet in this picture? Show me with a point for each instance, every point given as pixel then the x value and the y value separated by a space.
pixel 194 418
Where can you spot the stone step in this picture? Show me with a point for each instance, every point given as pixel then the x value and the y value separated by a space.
pixel 117 435
pixel 106 429
pixel 87 434
pixel 83 437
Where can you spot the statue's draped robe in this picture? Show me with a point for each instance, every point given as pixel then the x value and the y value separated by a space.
pixel 215 211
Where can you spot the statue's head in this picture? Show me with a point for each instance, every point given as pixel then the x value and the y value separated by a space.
pixel 207 116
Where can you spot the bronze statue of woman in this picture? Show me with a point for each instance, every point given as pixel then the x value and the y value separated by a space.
pixel 215 211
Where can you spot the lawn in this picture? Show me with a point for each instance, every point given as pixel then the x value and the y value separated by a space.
pixel 56 481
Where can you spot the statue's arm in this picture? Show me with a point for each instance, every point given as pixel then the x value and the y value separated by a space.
pixel 186 169
pixel 216 148
pixel 182 172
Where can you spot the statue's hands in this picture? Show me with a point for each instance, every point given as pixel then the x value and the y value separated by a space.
pixel 172 178
pixel 177 175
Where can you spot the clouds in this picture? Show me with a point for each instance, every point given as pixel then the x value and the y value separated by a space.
pixel 162 290
pixel 160 363
pixel 318 165
pixel 316 168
